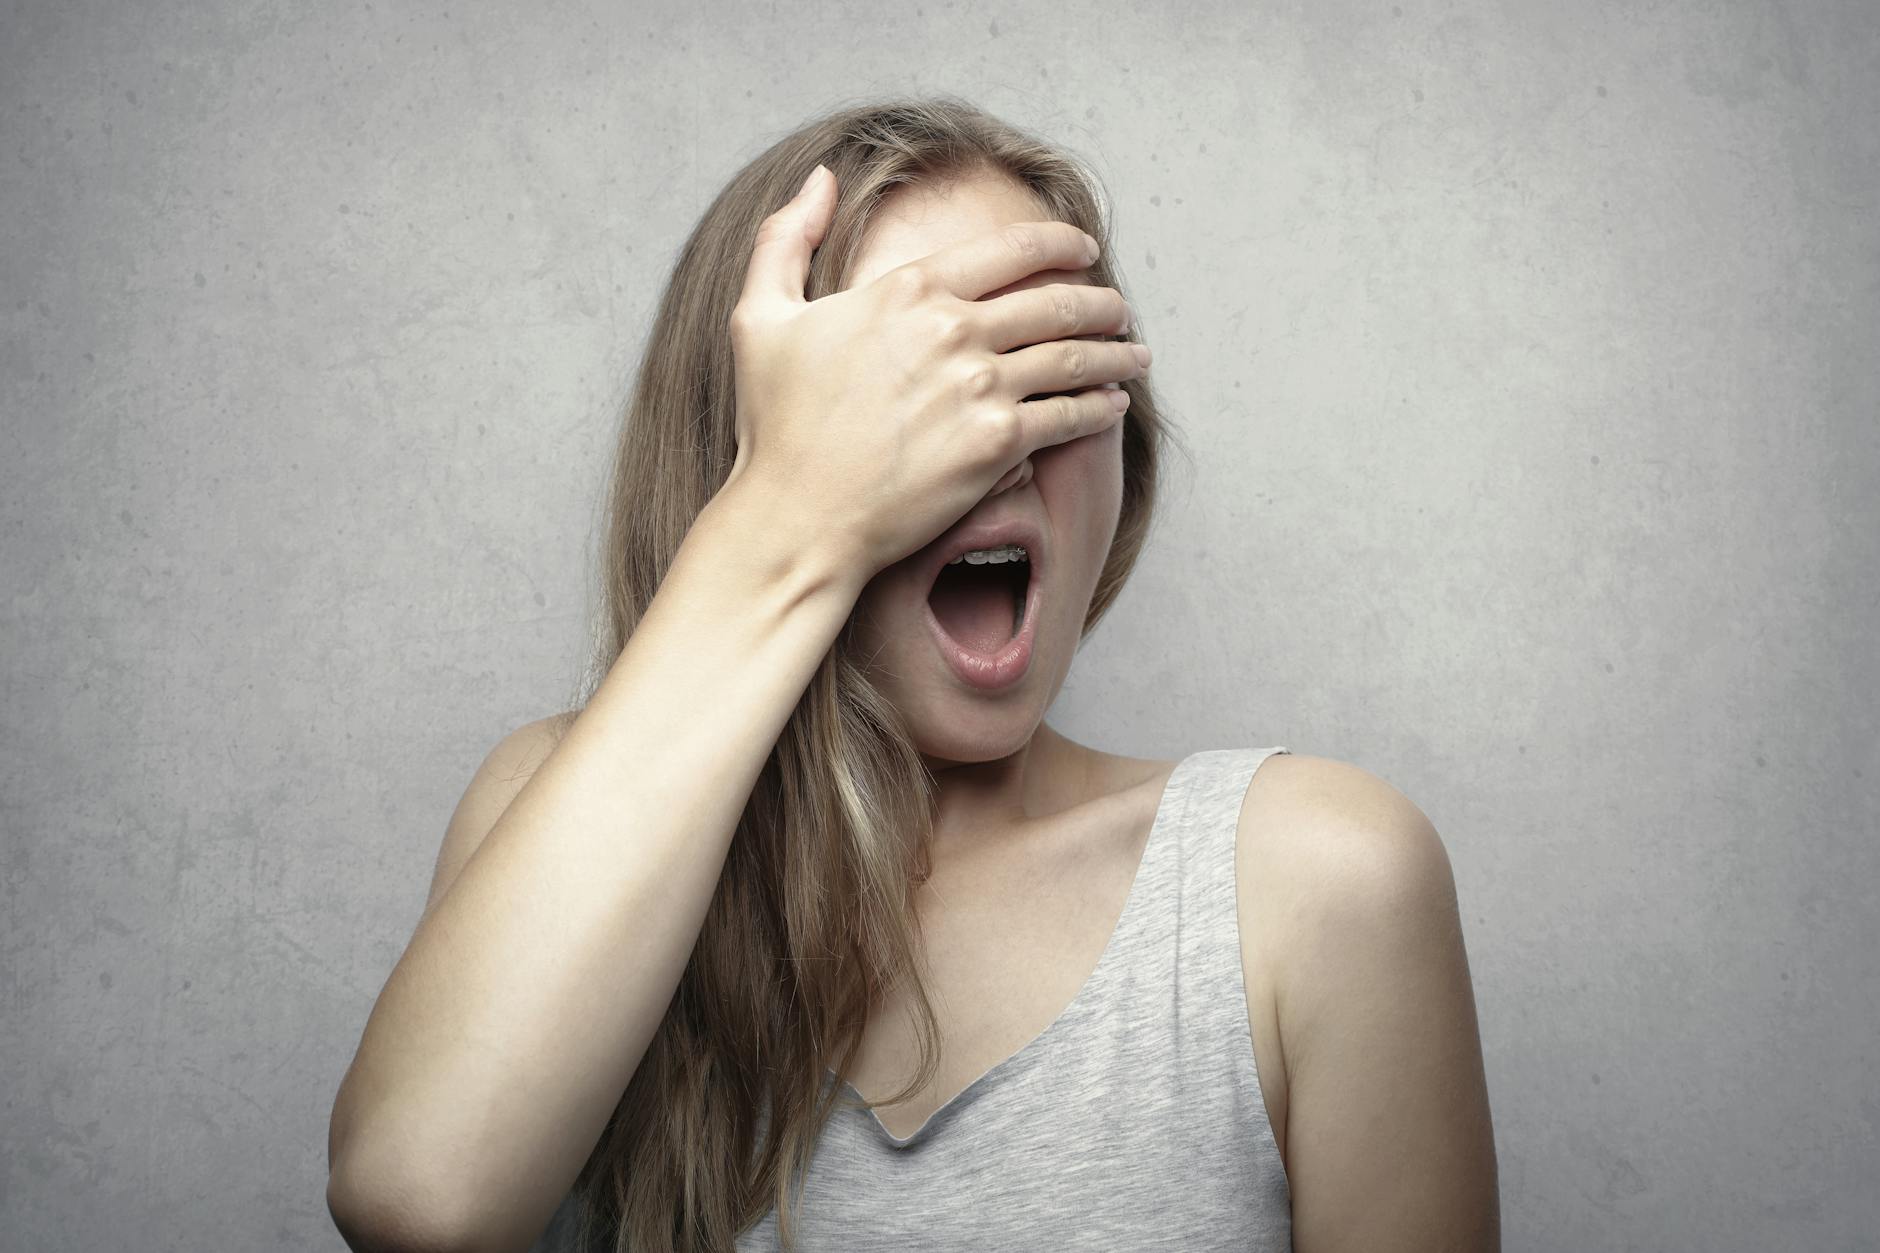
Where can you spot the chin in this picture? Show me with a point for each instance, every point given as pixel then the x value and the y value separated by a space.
pixel 971 732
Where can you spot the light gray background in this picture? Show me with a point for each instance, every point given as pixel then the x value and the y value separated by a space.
pixel 1526 351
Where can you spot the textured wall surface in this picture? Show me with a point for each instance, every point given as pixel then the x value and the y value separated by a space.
pixel 1526 351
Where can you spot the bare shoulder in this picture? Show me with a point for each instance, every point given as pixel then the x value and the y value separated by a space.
pixel 1329 817
pixel 505 770
pixel 1315 836
pixel 1358 946
pixel 523 749
pixel 1324 842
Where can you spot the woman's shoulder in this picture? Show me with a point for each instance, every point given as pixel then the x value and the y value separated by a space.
pixel 531 741
pixel 1337 867
pixel 504 771
pixel 1322 808
pixel 554 726
pixel 526 747
pixel 1358 939
pixel 1325 847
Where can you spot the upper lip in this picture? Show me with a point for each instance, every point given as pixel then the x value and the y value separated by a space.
pixel 990 533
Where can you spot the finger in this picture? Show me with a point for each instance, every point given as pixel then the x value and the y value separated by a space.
pixel 779 266
pixel 1050 311
pixel 1000 258
pixel 1066 365
pixel 1061 419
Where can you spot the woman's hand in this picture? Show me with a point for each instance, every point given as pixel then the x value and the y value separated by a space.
pixel 873 419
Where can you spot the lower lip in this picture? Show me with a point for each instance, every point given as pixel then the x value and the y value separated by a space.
pixel 991 672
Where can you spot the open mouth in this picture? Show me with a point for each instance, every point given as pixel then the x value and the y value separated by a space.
pixel 982 607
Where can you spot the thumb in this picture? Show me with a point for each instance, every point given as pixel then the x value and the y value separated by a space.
pixel 780 259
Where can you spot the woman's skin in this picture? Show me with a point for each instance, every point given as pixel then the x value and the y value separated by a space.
pixel 995 762
pixel 1360 1000
pixel 1358 989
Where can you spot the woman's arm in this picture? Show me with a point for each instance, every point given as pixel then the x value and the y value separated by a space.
pixel 1389 1142
pixel 555 937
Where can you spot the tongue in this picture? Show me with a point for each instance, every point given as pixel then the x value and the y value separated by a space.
pixel 974 608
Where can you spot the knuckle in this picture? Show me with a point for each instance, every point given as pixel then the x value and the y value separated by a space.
pixel 978 380
pixel 912 284
pixel 950 329
pixel 1076 359
pixel 1066 414
pixel 1068 312
pixel 773 226
pixel 1024 241
pixel 1004 427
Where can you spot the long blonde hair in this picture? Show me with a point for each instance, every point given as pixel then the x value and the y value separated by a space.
pixel 812 921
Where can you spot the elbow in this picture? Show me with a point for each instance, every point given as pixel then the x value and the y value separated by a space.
pixel 375 1215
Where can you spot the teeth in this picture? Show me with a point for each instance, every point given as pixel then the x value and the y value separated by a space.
pixel 992 556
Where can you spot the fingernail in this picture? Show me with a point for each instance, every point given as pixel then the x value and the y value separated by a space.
pixel 808 182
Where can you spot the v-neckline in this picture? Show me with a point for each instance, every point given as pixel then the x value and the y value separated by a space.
pixel 1124 919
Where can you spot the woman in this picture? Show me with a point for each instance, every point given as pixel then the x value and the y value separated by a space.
pixel 806 841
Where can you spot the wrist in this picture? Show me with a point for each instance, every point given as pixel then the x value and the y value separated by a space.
pixel 782 550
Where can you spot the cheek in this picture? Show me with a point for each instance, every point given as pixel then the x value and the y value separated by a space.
pixel 1083 475
pixel 1082 486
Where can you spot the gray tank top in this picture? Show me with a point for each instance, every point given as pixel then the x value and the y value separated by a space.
pixel 1134 1121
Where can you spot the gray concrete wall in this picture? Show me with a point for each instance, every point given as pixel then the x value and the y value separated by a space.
pixel 1528 356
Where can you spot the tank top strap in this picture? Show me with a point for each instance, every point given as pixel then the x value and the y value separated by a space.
pixel 1208 799
pixel 1183 947
pixel 1181 916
